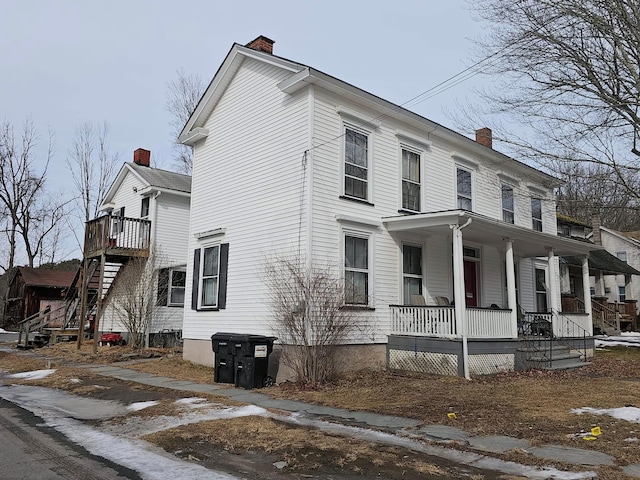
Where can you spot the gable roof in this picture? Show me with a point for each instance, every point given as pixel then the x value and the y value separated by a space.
pixel 45 277
pixel 152 178
pixel 303 75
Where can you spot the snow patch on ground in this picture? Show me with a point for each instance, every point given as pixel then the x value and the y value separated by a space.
pixel 33 375
pixel 625 339
pixel 134 407
pixel 630 414
pixel 2 330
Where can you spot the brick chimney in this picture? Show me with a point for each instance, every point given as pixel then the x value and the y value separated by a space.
pixel 142 157
pixel 262 44
pixel 484 137
pixel 595 226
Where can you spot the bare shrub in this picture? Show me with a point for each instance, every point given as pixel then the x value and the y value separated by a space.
pixel 309 316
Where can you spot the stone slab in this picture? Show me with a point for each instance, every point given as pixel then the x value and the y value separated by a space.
pixel 632 470
pixel 572 455
pixel 497 443
pixel 444 432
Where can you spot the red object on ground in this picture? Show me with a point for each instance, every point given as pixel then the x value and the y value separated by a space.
pixel 112 339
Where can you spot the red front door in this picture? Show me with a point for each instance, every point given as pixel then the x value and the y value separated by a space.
pixel 471 283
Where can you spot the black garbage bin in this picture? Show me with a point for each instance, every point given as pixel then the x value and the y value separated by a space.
pixel 223 366
pixel 252 360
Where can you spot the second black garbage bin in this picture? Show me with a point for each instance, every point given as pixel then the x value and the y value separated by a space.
pixel 242 359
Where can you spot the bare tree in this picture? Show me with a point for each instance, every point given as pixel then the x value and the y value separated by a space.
pixel 308 316
pixel 28 214
pixel 92 167
pixel 133 297
pixel 569 72
pixel 183 95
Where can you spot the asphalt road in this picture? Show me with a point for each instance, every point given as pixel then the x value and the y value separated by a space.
pixel 29 450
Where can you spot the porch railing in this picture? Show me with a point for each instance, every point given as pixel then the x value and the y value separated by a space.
pixel 438 321
pixel 113 232
pixel 489 323
pixel 423 320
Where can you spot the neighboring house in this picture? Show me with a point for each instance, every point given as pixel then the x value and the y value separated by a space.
pixel 147 210
pixel 440 237
pixel 610 313
pixel 32 290
pixel 624 286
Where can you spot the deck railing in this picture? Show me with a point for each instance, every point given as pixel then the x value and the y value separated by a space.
pixel 423 320
pixel 489 323
pixel 437 321
pixel 113 232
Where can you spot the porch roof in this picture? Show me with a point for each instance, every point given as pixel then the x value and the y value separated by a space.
pixel 488 231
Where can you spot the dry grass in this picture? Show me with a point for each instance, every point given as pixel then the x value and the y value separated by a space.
pixel 175 367
pixel 303 449
pixel 69 351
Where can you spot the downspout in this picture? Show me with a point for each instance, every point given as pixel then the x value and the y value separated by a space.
pixel 459 292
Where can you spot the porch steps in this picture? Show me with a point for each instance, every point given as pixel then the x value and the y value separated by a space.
pixel 558 357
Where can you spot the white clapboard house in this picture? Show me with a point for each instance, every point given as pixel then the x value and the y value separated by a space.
pixel 449 246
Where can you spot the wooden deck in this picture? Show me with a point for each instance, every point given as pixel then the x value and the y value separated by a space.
pixel 115 236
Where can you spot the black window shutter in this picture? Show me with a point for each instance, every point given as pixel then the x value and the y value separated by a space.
pixel 222 286
pixel 163 287
pixel 196 279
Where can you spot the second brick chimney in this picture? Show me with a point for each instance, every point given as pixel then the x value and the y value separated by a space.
pixel 142 157
pixel 484 137
pixel 262 44
pixel 595 226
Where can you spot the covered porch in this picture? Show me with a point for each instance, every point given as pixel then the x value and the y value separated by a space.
pixel 494 322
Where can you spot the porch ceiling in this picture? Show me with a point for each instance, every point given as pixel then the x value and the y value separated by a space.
pixel 488 231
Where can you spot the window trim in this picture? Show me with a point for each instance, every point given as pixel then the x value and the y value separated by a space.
pixel 369 183
pixel 170 286
pixel 146 198
pixel 622 293
pixel 626 257
pixel 545 286
pixel 412 275
pixel 196 281
pixel 504 185
pixel 471 173
pixel 201 278
pixel 420 183
pixel 534 220
pixel 369 236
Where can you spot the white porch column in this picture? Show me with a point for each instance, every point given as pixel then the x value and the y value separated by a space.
pixel 599 284
pixel 459 293
pixel 512 301
pixel 553 285
pixel 587 291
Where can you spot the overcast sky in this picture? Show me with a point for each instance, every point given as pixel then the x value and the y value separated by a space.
pixel 66 62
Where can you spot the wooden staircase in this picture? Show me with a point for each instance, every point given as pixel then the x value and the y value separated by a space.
pixel 110 242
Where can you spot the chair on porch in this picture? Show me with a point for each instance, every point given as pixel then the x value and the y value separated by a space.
pixel 418 300
pixel 443 301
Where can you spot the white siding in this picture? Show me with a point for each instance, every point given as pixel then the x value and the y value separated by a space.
pixel 247 179
pixel 614 244
pixel 171 228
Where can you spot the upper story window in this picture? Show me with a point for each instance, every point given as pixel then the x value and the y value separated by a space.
pixel 356 270
pixel 463 179
pixel 566 231
pixel 622 256
pixel 536 214
pixel 117 225
pixel 410 180
pixel 144 209
pixel 356 164
pixel 507 204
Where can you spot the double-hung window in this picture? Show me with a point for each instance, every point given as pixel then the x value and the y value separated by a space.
pixel 541 290
pixel 536 214
pixel 210 277
pixel 622 293
pixel 411 273
pixel 356 164
pixel 507 204
pixel 356 270
pixel 622 256
pixel 463 184
pixel 410 180
pixel 171 286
